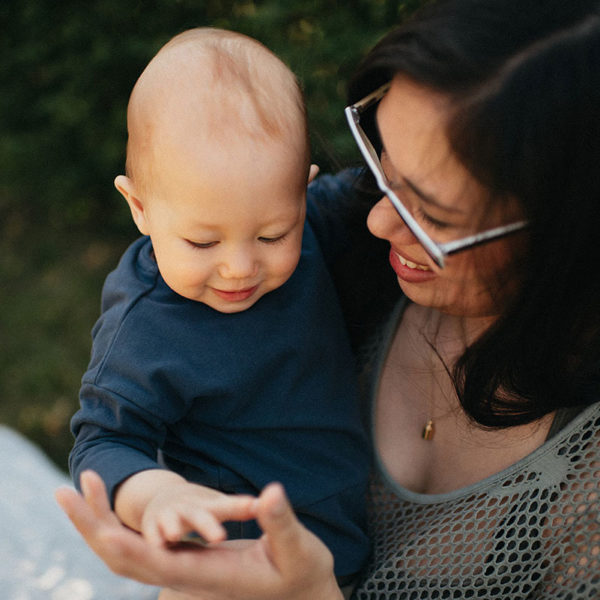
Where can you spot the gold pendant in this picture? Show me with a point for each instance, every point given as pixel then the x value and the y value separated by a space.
pixel 428 431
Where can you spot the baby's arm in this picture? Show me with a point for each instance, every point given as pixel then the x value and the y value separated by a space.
pixel 164 507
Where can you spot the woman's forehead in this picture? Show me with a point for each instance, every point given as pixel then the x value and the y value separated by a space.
pixel 412 123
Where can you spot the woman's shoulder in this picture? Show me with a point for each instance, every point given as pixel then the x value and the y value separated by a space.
pixel 575 451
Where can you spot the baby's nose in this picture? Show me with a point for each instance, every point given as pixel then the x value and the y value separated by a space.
pixel 239 264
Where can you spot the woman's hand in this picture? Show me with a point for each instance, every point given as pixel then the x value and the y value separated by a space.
pixel 286 563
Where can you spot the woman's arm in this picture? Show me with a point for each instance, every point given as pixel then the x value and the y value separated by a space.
pixel 286 563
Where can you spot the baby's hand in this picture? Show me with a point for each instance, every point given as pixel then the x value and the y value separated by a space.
pixel 185 508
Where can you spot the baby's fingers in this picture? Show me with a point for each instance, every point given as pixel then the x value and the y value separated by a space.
pixel 233 507
pixel 205 517
pixel 175 526
pixel 152 532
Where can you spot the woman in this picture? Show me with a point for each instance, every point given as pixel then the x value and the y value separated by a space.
pixel 480 120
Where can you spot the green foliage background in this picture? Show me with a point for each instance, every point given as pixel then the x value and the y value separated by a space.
pixel 66 71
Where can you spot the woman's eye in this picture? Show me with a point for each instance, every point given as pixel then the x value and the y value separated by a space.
pixel 429 220
pixel 272 240
pixel 201 245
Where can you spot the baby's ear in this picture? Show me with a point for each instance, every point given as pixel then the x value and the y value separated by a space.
pixel 313 172
pixel 127 189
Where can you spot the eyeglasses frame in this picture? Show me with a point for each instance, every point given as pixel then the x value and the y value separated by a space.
pixel 437 251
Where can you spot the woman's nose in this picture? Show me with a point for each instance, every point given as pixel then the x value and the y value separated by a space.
pixel 385 223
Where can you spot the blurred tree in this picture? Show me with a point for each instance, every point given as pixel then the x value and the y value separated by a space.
pixel 68 68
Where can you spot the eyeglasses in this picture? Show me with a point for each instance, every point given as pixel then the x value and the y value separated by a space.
pixel 437 251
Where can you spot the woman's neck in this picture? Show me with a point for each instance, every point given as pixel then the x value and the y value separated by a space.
pixel 416 390
pixel 448 335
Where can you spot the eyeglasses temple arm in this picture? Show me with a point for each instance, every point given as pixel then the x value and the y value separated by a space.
pixel 369 155
pixel 479 238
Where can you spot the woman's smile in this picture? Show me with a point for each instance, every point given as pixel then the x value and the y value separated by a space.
pixel 408 270
pixel 412 265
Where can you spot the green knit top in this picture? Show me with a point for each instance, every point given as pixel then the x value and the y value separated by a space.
pixel 531 531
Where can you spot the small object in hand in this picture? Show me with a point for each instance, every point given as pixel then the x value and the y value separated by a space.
pixel 192 538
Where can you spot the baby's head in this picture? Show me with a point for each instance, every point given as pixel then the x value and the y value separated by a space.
pixel 217 167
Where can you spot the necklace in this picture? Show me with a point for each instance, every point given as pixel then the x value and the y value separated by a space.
pixel 428 430
pixel 428 366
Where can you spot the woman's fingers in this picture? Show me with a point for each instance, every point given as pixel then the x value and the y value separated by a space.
pixel 124 551
pixel 75 508
pixel 304 563
pixel 287 562
pixel 89 511
pixel 94 492
pixel 288 540
pixel 278 522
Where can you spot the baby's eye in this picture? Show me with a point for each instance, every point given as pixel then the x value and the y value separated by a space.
pixel 201 245
pixel 272 240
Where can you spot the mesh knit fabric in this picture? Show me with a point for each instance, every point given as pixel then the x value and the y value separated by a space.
pixel 531 531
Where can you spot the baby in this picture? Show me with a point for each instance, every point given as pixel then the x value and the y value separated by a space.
pixel 221 362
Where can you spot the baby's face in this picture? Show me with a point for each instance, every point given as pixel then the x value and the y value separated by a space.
pixel 226 222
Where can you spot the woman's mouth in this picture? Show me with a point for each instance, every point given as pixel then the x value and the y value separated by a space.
pixel 412 265
pixel 410 271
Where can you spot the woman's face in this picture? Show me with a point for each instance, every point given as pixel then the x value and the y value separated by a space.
pixel 448 203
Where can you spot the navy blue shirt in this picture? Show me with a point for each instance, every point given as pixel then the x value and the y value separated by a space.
pixel 231 401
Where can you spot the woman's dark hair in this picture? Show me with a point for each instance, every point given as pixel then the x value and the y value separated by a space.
pixel 523 80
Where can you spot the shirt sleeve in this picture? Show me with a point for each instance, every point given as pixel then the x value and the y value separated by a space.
pixel 135 388
pixel 113 437
pixel 337 209
pixel 337 212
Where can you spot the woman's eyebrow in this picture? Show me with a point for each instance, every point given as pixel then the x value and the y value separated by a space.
pixel 428 199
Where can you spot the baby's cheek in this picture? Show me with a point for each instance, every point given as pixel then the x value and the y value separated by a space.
pixel 186 282
pixel 287 266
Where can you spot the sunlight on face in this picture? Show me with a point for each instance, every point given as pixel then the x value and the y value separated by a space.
pixel 446 200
